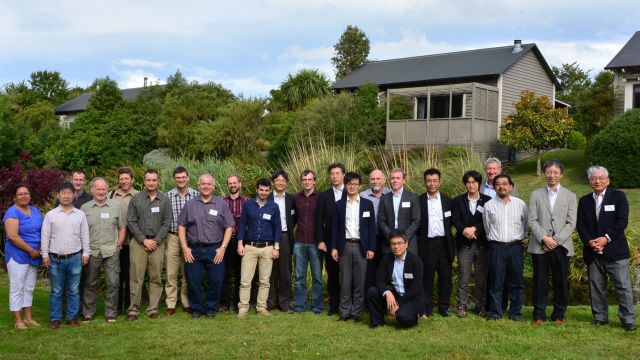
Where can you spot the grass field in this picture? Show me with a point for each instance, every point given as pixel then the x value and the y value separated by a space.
pixel 310 336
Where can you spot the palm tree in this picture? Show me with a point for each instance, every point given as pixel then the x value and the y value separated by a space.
pixel 305 85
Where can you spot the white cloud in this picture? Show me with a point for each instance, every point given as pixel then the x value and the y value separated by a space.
pixel 589 55
pixel 135 78
pixel 410 44
pixel 298 53
pixel 140 63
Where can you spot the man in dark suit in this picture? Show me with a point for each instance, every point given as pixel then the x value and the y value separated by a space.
pixel 324 226
pixel 399 285
pixel 281 280
pixel 353 242
pixel 471 243
pixel 436 245
pixel 399 209
pixel 602 218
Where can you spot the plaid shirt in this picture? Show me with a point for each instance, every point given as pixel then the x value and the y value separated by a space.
pixel 236 207
pixel 177 203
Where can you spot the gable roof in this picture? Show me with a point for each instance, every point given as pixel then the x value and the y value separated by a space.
pixel 628 56
pixel 81 102
pixel 440 67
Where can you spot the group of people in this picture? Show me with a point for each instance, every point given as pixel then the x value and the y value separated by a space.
pixel 382 247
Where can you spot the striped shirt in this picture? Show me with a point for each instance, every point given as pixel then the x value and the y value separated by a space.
pixel 505 222
pixel 236 206
pixel 177 203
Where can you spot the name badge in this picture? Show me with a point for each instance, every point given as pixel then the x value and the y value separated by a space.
pixel 366 214
pixel 104 215
pixel 447 214
pixel 609 208
pixel 406 204
pixel 408 275
pixel 480 209
pixel 155 209
pixel 293 212
pixel 266 216
pixel 213 212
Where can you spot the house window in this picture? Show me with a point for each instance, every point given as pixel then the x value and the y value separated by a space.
pixel 636 96
pixel 440 106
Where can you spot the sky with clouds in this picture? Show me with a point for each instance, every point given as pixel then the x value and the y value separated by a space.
pixel 251 46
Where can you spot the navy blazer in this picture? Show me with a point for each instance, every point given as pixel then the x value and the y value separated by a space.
pixel 446 204
pixel 367 226
pixel 463 218
pixel 412 279
pixel 613 219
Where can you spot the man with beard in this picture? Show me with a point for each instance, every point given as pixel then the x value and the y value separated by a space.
pixel 232 262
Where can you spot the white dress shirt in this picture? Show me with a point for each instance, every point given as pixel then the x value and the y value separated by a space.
pixel 280 201
pixel 553 196
pixel 352 221
pixel 505 222
pixel 397 196
pixel 436 219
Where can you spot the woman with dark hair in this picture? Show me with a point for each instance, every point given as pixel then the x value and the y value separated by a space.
pixel 22 224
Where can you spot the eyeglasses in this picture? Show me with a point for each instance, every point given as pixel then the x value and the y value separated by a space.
pixel 398 243
pixel 353 185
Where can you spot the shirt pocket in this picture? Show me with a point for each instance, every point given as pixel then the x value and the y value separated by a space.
pixel 75 228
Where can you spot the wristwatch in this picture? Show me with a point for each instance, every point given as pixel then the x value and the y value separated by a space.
pixel 223 246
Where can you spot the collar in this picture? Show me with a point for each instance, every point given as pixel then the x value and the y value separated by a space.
pixel 436 197
pixel 60 209
pixel 476 199
pixel 340 189
pixel 487 184
pixel 95 204
pixel 595 197
pixel 549 191
pixel 398 193
pixel 206 202
pixel 122 193
pixel 275 195
pixel 403 258
pixel 357 199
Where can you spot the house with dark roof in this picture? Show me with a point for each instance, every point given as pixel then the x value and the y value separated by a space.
pixel 457 98
pixel 68 111
pixel 626 79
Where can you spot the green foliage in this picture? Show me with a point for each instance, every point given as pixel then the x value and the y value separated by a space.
pixel 39 130
pixel 20 95
pixel 186 111
pixel 617 148
pixel 157 158
pixel 106 96
pixel 400 108
pixel 351 51
pixel 597 109
pixel 575 84
pixel 307 84
pixel 177 80
pixel 49 86
pixel 535 125
pixel 576 141
pixel 10 143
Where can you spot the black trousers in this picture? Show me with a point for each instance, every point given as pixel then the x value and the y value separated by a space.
pixel 438 261
pixel 333 281
pixel 556 264
pixel 281 283
pixel 124 289
pixel 230 296
pixel 407 314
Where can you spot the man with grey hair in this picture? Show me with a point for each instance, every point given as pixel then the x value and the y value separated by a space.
pixel 492 168
pixel 107 232
pixel 399 209
pixel 374 193
pixel 603 216
pixel 552 219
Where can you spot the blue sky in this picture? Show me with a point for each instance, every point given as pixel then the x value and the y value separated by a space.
pixel 251 46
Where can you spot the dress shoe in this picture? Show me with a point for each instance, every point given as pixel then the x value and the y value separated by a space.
pixel 132 317
pixel 516 318
pixel 210 313
pixel 461 312
pixel 54 324
pixel 223 308
pixel 264 312
pixel 187 310
pixel 153 315
pixel 332 312
pixel 493 318
pixel 356 319
pixel 482 312
pixel 373 326
pixel 87 319
pixel 72 322
pixel 560 322
pixel 343 318
pixel 537 323
pixel 196 314
pixel 444 312
pixel 170 312
pixel 629 327
pixel 599 323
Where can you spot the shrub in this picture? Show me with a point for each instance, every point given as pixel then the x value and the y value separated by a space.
pixel 617 148
pixel 576 141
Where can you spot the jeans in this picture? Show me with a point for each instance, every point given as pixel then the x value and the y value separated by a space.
pixel 195 272
pixel 65 273
pixel 307 255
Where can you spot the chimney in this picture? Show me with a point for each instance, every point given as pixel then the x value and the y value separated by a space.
pixel 145 81
pixel 517 46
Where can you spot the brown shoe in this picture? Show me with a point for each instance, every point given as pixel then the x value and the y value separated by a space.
pixel 461 312
pixel 72 322
pixel 537 323
pixel 54 324
pixel 482 312
pixel 170 312
pixel 154 315
pixel 560 322
pixel 187 310
pixel 132 317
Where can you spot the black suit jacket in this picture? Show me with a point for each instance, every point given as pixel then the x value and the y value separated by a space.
pixel 412 278
pixel 408 218
pixel 446 203
pixel 463 218
pixel 290 216
pixel 613 219
pixel 367 226
pixel 325 212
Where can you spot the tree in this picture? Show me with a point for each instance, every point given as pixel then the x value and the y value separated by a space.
pixel 351 51
pixel 305 85
pixel 49 86
pixel 574 82
pixel 596 110
pixel 176 80
pixel 535 126
pixel 106 96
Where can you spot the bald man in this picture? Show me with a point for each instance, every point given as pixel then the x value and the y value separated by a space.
pixel 375 191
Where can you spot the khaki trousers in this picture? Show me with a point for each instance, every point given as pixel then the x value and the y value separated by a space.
pixel 142 261
pixel 260 257
pixel 175 265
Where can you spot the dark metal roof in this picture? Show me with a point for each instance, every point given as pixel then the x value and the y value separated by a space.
pixel 80 103
pixel 440 67
pixel 628 56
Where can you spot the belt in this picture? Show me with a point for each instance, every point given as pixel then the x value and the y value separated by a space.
pixel 436 238
pixel 58 256
pixel 173 233
pixel 201 245
pixel 505 243
pixel 260 244
pixel 353 241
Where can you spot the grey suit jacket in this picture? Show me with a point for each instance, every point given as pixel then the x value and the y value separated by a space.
pixel 560 223
pixel 408 218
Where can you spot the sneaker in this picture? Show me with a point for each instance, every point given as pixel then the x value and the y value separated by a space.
pixel 242 313
pixel 461 312
pixel 87 319
pixel 264 312
pixel 111 320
